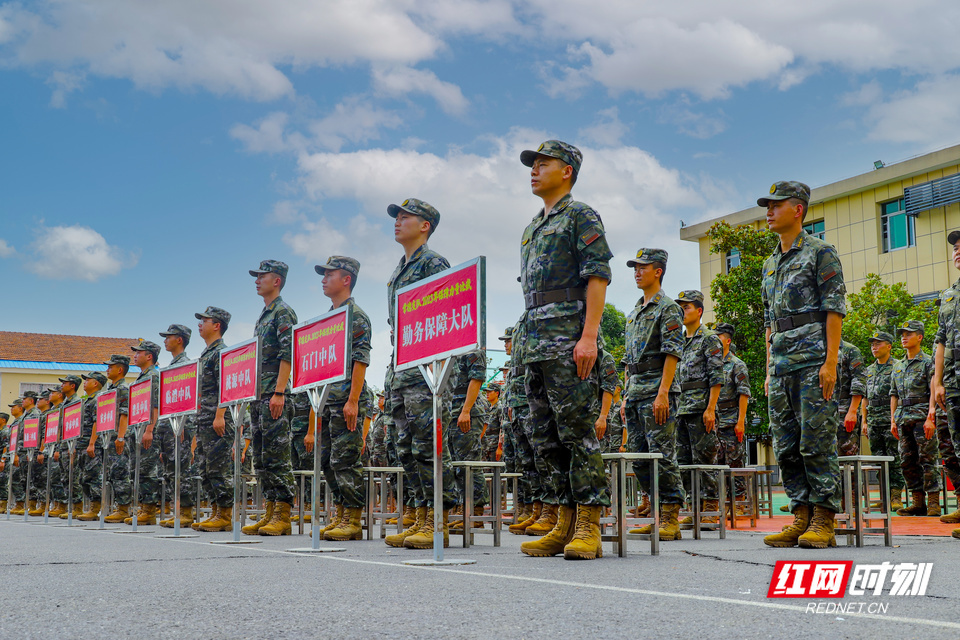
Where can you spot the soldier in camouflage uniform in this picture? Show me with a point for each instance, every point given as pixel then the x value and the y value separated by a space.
pixel 463 432
pixel 215 428
pixel 914 422
pixel 341 427
pixel 90 448
pixel 565 270
pixel 148 492
pixel 732 409
pixel 17 472
pixel 876 414
pixel 804 303
pixel 58 482
pixel 38 481
pixel 377 438
pixel 410 400
pixel 26 475
pixel 69 386
pixel 700 375
pixel 494 421
pixel 300 458
pixel 4 442
pixel 654 345
pixel 118 458
pixel 271 414
pixel 48 403
pixel 851 387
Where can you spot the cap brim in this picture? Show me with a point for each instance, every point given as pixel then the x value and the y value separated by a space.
pixel 394 210
pixel 323 268
pixel 201 316
pixel 872 339
pixel 679 300
pixel 768 199
pixel 633 263
pixel 257 274
pixel 167 335
pixel 527 157
pixel 953 236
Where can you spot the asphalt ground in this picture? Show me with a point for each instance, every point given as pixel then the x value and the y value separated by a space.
pixel 60 582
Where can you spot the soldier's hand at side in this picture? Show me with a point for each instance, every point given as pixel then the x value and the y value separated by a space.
pixel 850 421
pixel 929 429
pixel 623 411
pixel 56 456
pixel 893 430
pixel 118 444
pixel 276 406
pixel 308 442
pixel 738 431
pixel 90 449
pixel 940 395
pixel 3 464
pixel 40 458
pixel 766 385
pixel 220 425
pixel 16 461
pixel 147 438
pixel 709 419
pixel 623 448
pixel 463 421
pixel 828 380
pixel 601 427
pixel 351 409
pixel 585 355
pixel 864 430
pixel 510 413
pixel 661 407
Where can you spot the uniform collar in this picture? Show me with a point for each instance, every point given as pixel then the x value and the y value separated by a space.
pixel 560 206
pixel 654 300
pixel 272 305
pixel 416 255
pixel 797 242
pixel 697 333
pixel 345 303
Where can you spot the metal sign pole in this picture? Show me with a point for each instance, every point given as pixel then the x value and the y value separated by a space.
pixel 176 424
pixel 26 500
pixel 49 460
pixel 237 412
pixel 104 441
pixel 318 399
pixel 136 432
pixel 71 446
pixel 10 500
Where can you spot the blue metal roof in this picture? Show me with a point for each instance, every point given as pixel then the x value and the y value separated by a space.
pixel 53 366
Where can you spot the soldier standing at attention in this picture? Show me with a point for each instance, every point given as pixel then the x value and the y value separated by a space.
pixel 18 507
pixel 410 399
pixel 39 480
pixel 565 270
pixel 732 408
pixel 270 416
pixel 654 344
pixel 148 493
pixel 118 461
pixel 804 303
pixel 876 413
pixel 30 410
pixel 68 387
pixel 58 481
pixel 175 341
pixel 851 387
pixel 4 441
pixel 300 459
pixel 91 480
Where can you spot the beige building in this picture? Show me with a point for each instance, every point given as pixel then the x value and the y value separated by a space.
pixel 890 221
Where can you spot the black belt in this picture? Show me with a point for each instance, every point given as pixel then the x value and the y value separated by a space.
pixel 792 322
pixel 689 386
pixel 879 402
pixel 909 402
pixel 536 299
pixel 843 398
pixel 648 364
pixel 729 404
pixel 518 371
pixel 948 353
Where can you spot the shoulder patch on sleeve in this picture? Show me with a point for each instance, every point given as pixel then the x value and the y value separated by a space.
pixel 673 327
pixel 358 333
pixel 590 236
pixel 827 273
pixel 742 377
pixel 715 352
pixel 284 327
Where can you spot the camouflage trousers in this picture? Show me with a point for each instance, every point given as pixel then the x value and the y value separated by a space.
pixel 217 471
pixel 696 446
pixel 149 489
pixel 882 443
pixel 38 489
pixel 613 438
pixel 377 446
pixel 58 481
pixel 523 456
pixel 563 410
pixel 732 452
pixel 948 455
pixel 166 441
pixel 91 471
pixel 412 408
pixel 953 427
pixel 918 457
pixel 118 470
pixel 19 474
pixel 393 460
pixel 804 427
pixel 340 457
pixel 644 435
pixel 76 490
pixel 467 446
pixel 5 480
pixel 301 460
pixel 489 442
pixel 271 449
pixel 848 442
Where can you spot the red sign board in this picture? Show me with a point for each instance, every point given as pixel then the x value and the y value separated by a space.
pixel 12 448
pixel 140 401
pixel 321 349
pixel 31 433
pixel 238 373
pixel 106 411
pixel 53 428
pixel 441 316
pixel 72 420
pixel 178 389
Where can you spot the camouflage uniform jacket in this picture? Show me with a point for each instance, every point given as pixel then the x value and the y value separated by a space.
pixel 275 330
pixel 878 390
pixel 736 383
pixel 807 278
pixel 468 367
pixel 910 379
pixel 702 361
pixel 609 378
pixel 654 329
pixel 422 264
pixel 561 249
pixel 359 352
pixel 123 395
pixel 153 373
pixel 947 335
pixel 88 419
pixel 5 436
pixel 300 423
pixel 851 374
pixel 514 391
pixel 209 385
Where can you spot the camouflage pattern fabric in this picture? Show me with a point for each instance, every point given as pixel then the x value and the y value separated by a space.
pixel 918 457
pixel 877 401
pixel 4 475
pixel 701 361
pixel 948 455
pixel 614 435
pixel 377 443
pixel 119 475
pixel 947 335
pixel 275 330
pixel 910 381
pixel 214 451
pixel 64 450
pixel 644 435
pixel 412 406
pixel 732 453
pixel 340 457
pixel 91 469
pixel 467 446
pixel 300 459
pixel 851 381
pixel 360 352
pixel 150 488
pixel 494 419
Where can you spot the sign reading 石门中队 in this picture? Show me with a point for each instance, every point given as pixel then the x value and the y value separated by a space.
pixel 72 420
pixel 106 411
pixel 238 373
pixel 441 316
pixel 141 400
pixel 178 390
pixel 321 350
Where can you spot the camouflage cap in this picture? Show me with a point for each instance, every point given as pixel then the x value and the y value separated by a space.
pixel 214 313
pixel 690 295
pixel 725 327
pixel 45 394
pixel 349 265
pixel 646 256
pixel 417 208
pixel 146 345
pixel 177 330
pixel 507 334
pixel 495 386
pixel 555 149
pixel 118 359
pixel 271 266
pixel 910 325
pixel 953 236
pixel 4 415
pixel 33 395
pixel 95 375
pixel 71 378
pixel 784 190
pixel 880 336
pixel 16 403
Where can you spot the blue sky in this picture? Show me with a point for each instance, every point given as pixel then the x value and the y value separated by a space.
pixel 152 153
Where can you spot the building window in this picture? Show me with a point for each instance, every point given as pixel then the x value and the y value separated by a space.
pixel 816 229
pixel 38 387
pixel 899 229
pixel 733 259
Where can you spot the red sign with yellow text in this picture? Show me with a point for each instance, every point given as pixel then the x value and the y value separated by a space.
pixel 14 432
pixel 321 349
pixel 72 420
pixel 238 373
pixel 141 399
pixel 441 316
pixel 31 433
pixel 106 411
pixel 53 428
pixel 178 389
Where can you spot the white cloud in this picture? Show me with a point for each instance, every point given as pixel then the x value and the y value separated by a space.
pixel 63 84
pixel 354 120
pixel 692 123
pixel 77 253
pixel 400 81
pixel 929 114
pixel 607 130
pixel 6 251
pixel 267 137
pixel 867 95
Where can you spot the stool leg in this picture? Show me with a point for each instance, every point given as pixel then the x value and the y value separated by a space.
pixel 467 506
pixel 497 514
pixel 371 493
pixel 655 507
pixel 720 503
pixel 885 489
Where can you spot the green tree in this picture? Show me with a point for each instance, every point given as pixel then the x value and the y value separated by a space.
pixel 884 307
pixel 613 328
pixel 736 299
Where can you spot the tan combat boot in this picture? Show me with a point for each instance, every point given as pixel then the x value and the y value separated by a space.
pixel 186 519
pixel 711 505
pixel 525 510
pixel 3 506
pixel 951 518
pixel 785 508
pixel 819 535
pixel 933 504
pixel 896 500
pixel 280 524
pixel 919 506
pixel 457 524
pixel 39 508
pixel 350 527
pixel 643 509
pixel 56 509
pixel 120 513
pixel 213 516
pixel 423 539
pixel 254 529
pixel 555 540
pixel 77 511
pixel 223 521
pixel 792 532
pixel 18 509
pixel 396 540
pixel 335 520
pixel 478 511
pixel 92 514
pixel 409 516
pixel 520 528
pixel 146 515
pixel 585 544
pixel 546 523
pixel 669 524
